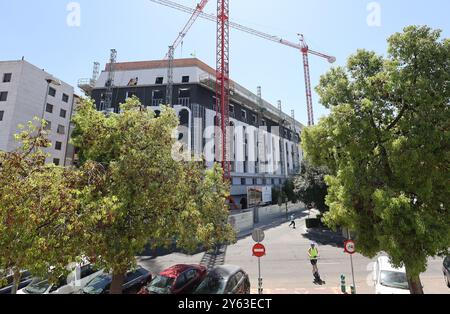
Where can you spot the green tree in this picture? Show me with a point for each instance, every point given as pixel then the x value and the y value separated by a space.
pixel 387 145
pixel 310 185
pixel 139 193
pixel 38 209
pixel 288 191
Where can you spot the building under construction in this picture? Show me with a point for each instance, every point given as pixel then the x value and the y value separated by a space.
pixel 264 146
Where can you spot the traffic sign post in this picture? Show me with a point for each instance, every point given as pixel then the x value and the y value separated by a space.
pixel 258 235
pixel 350 248
pixel 259 251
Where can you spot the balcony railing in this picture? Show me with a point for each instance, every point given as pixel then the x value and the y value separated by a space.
pixel 157 102
pixel 184 101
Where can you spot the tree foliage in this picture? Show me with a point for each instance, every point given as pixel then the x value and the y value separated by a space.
pixel 38 209
pixel 310 186
pixel 386 143
pixel 139 193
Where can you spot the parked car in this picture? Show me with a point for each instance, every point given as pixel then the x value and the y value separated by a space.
pixel 388 279
pixel 225 279
pixel 81 274
pixel 179 279
pixel 446 269
pixel 25 280
pixel 133 282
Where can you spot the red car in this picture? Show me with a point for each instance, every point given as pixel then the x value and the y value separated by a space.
pixel 179 279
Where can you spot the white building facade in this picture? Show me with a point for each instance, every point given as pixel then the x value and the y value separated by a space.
pixel 27 92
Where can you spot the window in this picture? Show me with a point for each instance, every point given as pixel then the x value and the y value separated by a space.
pixel 2 113
pixel 48 125
pixel 133 275
pixel 3 96
pixel 244 114
pixel 65 98
pixel 63 113
pixel 49 108
pixel 231 108
pixel 61 129
pixel 184 93
pixel 87 270
pixel 255 118
pixel 231 286
pixel 157 94
pixel 52 91
pixel 159 80
pixel 56 161
pixel 58 145
pixel 181 281
pixel 243 181
pixel 185 79
pixel 7 77
pixel 191 274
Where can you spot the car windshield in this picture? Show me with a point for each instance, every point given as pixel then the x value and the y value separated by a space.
pixel 161 285
pixel 393 279
pixel 213 284
pixel 98 285
pixel 37 286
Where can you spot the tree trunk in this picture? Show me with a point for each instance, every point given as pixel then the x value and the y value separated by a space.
pixel 117 282
pixel 16 280
pixel 415 284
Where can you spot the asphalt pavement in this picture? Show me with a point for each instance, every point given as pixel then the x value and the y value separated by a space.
pixel 286 268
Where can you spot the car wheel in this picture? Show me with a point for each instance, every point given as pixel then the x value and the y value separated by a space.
pixel 447 281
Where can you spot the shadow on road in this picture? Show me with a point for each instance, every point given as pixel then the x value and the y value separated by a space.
pixel 323 236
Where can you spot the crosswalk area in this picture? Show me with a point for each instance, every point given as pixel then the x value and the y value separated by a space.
pixel 318 290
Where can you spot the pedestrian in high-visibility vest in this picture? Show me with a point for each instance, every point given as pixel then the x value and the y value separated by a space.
pixel 313 254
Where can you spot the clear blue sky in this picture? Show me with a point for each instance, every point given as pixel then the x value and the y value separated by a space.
pixel 142 30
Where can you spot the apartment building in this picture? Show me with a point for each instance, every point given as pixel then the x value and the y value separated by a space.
pixel 263 159
pixel 26 92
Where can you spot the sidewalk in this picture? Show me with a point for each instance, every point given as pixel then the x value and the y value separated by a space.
pixel 298 210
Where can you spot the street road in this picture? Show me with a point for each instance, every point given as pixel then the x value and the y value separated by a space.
pixel 286 269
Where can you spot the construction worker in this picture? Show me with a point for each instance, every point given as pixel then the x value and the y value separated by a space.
pixel 313 254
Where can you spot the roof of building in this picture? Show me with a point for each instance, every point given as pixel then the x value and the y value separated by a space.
pixel 211 73
pixel 155 64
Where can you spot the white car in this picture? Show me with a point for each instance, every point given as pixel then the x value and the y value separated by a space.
pixel 77 280
pixel 388 279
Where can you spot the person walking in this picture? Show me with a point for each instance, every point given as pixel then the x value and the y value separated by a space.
pixel 292 221
pixel 313 254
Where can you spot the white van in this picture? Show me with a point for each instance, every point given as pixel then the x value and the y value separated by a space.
pixel 76 281
pixel 389 280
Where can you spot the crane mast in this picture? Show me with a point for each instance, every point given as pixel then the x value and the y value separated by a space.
pixel 110 81
pixel 223 85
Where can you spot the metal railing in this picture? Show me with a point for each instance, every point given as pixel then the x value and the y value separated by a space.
pixel 184 101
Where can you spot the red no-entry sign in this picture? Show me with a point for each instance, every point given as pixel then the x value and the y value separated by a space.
pixel 259 250
pixel 350 247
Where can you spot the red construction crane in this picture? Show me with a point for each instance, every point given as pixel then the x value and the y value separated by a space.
pixel 301 46
pixel 223 85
